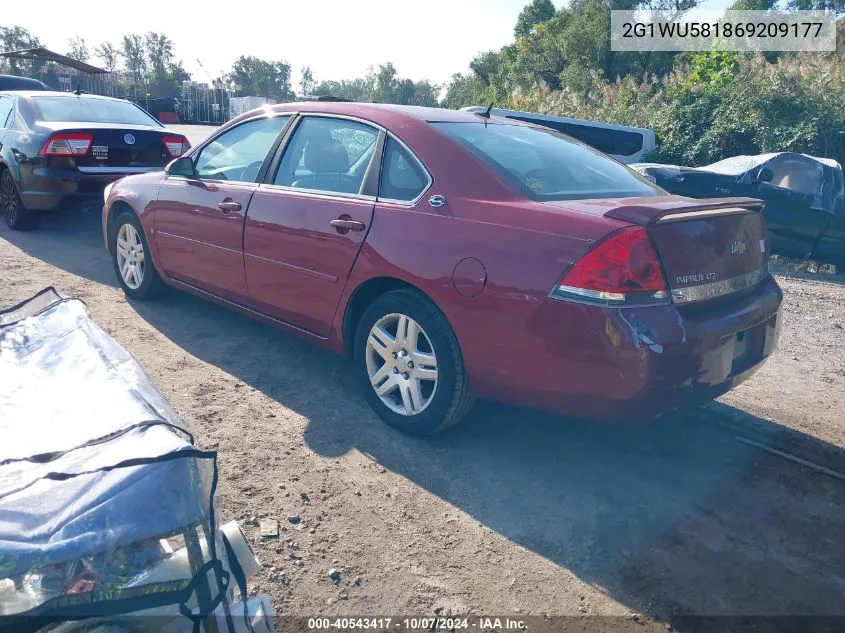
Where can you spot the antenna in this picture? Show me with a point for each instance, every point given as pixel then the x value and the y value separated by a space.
pixel 486 113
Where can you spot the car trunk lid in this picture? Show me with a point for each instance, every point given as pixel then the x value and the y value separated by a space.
pixel 708 248
pixel 124 149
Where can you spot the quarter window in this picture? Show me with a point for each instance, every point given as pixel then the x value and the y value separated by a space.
pixel 402 178
pixel 238 154
pixel 327 154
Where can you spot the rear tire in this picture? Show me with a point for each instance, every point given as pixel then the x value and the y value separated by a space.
pixel 133 263
pixel 409 364
pixel 17 217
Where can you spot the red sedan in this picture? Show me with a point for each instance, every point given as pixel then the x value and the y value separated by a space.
pixel 453 255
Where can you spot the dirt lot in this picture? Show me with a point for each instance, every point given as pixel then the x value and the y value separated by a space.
pixel 513 511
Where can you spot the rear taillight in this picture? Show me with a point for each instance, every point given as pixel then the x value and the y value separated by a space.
pixel 622 270
pixel 176 145
pixel 67 144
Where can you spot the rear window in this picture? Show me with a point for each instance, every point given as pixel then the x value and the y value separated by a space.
pixel 607 140
pixel 547 165
pixel 80 109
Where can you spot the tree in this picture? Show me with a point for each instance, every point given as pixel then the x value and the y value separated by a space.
pixel 13 39
pixel 837 6
pixel 109 55
pixel 536 12
pixel 78 49
pixel 385 83
pixel 306 81
pixel 262 78
pixel 134 57
pixel 352 89
pixel 159 54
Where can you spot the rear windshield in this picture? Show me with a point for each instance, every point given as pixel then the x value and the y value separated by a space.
pixel 607 140
pixel 547 165
pixel 72 108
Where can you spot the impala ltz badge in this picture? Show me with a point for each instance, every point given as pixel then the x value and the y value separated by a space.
pixel 130 140
pixel 737 248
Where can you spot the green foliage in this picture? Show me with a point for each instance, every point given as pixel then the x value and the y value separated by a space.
pixel 838 6
pixel 78 49
pixel 262 78
pixel 534 13
pixel 720 107
pixel 16 38
pixel 108 55
pixel 383 86
pixel 306 81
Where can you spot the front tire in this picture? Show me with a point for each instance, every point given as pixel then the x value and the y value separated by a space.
pixel 133 263
pixel 17 217
pixel 409 364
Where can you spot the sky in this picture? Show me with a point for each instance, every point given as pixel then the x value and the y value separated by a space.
pixel 339 39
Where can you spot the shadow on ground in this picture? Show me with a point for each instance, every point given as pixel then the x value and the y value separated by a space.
pixel 670 518
pixel 673 517
pixel 70 240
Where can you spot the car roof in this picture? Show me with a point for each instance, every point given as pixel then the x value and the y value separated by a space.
pixel 385 114
pixel 28 94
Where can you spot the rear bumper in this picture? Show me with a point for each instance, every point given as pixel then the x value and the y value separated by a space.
pixel 48 188
pixel 633 363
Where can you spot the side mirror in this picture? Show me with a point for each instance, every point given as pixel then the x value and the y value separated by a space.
pixel 765 175
pixel 182 166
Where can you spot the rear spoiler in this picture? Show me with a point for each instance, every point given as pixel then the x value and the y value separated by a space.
pixel 683 209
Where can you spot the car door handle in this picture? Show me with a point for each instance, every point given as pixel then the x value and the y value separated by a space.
pixel 345 225
pixel 227 206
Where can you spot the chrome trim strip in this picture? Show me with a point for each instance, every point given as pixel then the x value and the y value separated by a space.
pixel 688 215
pixel 316 192
pixel 715 289
pixel 574 294
pixel 299 269
pixel 119 170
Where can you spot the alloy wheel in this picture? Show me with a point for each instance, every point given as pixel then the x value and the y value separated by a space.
pixel 131 260
pixel 8 199
pixel 401 364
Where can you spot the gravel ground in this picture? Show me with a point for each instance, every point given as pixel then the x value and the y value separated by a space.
pixel 513 511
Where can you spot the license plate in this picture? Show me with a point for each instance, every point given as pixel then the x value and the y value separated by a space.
pixel 100 152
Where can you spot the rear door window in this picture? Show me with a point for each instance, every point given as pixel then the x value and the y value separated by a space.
pixel 402 177
pixel 328 154
pixel 238 153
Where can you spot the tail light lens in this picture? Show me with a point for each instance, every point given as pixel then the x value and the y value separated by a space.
pixel 176 145
pixel 67 144
pixel 622 270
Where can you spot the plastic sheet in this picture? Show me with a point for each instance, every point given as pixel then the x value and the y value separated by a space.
pixel 96 473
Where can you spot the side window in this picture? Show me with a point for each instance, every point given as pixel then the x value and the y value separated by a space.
pixel 327 154
pixel 6 108
pixel 237 154
pixel 402 178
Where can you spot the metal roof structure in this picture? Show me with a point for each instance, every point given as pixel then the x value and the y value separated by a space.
pixel 45 55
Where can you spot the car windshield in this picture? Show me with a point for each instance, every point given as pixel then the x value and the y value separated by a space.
pixel 548 165
pixel 73 108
